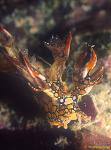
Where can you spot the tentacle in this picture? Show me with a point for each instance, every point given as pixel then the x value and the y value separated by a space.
pixel 82 79
pixel 38 79
pixel 19 59
pixel 60 50
pixel 97 74
pixel 24 67
pixel 7 41
pixel 84 86
pixel 84 63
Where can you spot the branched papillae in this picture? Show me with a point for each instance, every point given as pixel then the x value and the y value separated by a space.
pixel 63 105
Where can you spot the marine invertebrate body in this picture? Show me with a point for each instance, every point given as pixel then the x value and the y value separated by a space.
pixel 62 107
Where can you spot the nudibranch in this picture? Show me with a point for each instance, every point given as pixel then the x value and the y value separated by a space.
pixel 62 108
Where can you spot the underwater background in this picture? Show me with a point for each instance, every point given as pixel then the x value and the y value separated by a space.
pixel 22 123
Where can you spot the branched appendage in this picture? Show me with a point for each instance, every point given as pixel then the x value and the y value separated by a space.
pixel 83 77
pixel 63 104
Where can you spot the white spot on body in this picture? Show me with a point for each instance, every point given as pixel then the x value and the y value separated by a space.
pixel 41 77
pixel 61 100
